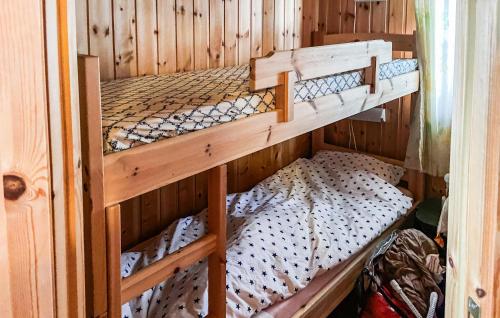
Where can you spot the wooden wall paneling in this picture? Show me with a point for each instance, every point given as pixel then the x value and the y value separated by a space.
pixel 169 204
pixel 167 30
pixel 407 102
pixel 279 25
pixel 101 35
pixel 268 24
pixel 147 37
pixel 82 34
pixel 390 128
pixel 26 216
pixel 201 34
pixel 125 38
pixel 309 21
pixel 334 17
pixel 348 16
pixel 185 49
pixel 231 32
pixel 289 24
pixel 362 25
pixel 216 33
pixel 131 222
pixel 244 20
pixel 201 189
pixel 150 213
pixel 256 33
pixel 322 14
pixel 297 28
pixel 378 24
pixel 187 195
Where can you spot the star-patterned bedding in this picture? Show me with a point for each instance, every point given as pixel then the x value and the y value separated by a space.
pixel 293 226
pixel 146 109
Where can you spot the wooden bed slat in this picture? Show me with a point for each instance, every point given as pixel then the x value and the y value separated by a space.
pixel 316 62
pixel 159 271
pixel 142 169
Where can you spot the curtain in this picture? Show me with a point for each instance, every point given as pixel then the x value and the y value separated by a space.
pixel 430 130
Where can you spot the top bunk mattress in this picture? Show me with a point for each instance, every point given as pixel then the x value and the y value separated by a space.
pixel 146 109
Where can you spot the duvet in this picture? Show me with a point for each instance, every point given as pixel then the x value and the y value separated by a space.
pixel 291 227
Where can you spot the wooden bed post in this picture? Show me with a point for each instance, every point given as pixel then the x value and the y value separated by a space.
pixel 93 185
pixel 285 96
pixel 114 250
pixel 217 191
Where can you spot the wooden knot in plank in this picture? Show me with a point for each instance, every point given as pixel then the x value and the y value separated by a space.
pixel 14 187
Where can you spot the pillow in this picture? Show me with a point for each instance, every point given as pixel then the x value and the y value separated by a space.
pixel 356 161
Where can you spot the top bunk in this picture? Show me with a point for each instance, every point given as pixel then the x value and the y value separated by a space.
pixel 222 114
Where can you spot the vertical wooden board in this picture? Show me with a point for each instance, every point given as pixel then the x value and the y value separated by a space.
pixel 150 214
pixel 147 37
pixel 185 45
pixel 186 200
pixel 169 204
pixel 322 14
pixel 333 21
pixel 348 16
pixel 279 25
pixel 308 14
pixel 82 28
pixel 244 176
pixel 244 20
pixel 167 46
pixel 231 32
pixel 232 176
pixel 379 17
pixel 390 129
pixel 378 25
pixel 201 188
pixel 25 205
pixel 125 37
pixel 216 33
pixel 201 34
pixel 289 23
pixel 256 28
pixel 131 222
pixel 297 24
pixel 268 27
pixel 101 36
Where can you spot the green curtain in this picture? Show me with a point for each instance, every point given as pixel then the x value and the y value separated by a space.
pixel 430 132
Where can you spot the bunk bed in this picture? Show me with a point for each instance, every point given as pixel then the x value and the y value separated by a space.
pixel 118 169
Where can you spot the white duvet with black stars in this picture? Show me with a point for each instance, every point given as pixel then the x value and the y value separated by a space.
pixel 290 228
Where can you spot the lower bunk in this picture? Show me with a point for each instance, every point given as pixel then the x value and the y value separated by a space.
pixel 295 242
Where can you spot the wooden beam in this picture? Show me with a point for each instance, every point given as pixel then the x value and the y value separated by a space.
pixel 138 170
pixel 134 285
pixel 308 63
pixel 93 195
pixel 217 191
pixel 114 249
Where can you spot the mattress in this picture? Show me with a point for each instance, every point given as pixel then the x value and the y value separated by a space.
pixel 146 109
pixel 294 226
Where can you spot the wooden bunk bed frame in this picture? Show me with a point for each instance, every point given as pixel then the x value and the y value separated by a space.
pixel 113 178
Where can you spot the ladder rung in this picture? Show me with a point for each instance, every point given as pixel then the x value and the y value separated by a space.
pixel 152 275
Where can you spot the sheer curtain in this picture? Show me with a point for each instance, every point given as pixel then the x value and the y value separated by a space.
pixel 430 132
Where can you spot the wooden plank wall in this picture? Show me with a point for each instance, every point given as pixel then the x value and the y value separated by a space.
pixel 134 38
pixel 394 16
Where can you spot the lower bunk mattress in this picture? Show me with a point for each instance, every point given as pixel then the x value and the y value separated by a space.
pixel 298 224
pixel 147 109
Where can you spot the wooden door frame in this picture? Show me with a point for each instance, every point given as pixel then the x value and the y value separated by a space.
pixel 473 264
pixel 41 237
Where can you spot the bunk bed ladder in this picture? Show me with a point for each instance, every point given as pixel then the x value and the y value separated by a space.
pixel 212 245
